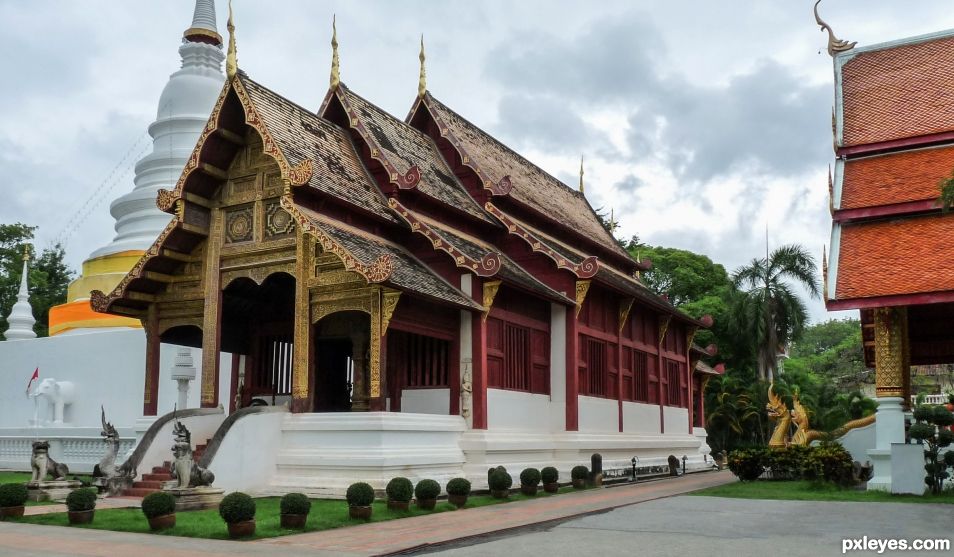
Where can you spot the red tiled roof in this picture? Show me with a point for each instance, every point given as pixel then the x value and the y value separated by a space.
pixel 905 256
pixel 896 178
pixel 898 92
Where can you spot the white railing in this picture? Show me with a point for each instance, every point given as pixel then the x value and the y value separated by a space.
pixel 78 451
pixel 931 399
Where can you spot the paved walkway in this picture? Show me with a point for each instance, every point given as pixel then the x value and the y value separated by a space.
pixel 364 540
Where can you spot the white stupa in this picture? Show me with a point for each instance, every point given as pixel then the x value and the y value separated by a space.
pixel 21 319
pixel 184 108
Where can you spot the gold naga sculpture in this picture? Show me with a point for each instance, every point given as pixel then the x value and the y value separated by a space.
pixel 779 412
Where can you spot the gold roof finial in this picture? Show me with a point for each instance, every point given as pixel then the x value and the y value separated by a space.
pixel 422 81
pixel 834 43
pixel 612 222
pixel 231 59
pixel 581 175
pixel 335 73
pixel 26 252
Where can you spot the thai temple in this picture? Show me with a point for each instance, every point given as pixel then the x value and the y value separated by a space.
pixel 891 255
pixel 363 294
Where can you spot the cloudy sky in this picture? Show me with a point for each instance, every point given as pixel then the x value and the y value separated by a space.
pixel 701 122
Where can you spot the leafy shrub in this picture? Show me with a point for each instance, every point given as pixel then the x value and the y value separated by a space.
pixel 786 463
pixel 579 472
pixel 458 486
pixel 295 503
pixel 237 507
pixel 13 495
pixel 831 463
pixel 530 477
pixel 427 489
pixel 748 464
pixel 158 503
pixel 550 475
pixel 83 499
pixel 491 471
pixel 400 489
pixel 500 480
pixel 932 429
pixel 360 495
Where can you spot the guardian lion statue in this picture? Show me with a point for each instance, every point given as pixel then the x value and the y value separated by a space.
pixel 42 464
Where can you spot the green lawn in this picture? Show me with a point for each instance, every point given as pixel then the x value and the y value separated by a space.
pixel 23 477
pixel 810 491
pixel 325 514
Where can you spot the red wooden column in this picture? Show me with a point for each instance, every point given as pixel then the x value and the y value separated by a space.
pixel 150 396
pixel 690 402
pixel 619 372
pixel 572 372
pixel 479 372
pixel 663 330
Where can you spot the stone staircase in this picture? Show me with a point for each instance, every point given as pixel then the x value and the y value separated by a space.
pixel 153 481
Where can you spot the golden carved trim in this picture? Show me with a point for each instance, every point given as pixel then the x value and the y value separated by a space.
pixel 491 287
pixel 301 173
pixel 625 305
pixel 664 328
pixel 388 306
pixel 302 332
pixel 376 328
pixel 889 351
pixel 213 298
pixel 359 302
pixel 582 287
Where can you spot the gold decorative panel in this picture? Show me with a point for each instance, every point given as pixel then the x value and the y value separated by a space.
pixel 239 225
pixel 278 223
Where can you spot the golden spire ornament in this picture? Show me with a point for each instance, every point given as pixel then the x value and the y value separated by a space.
pixel 335 75
pixel 231 59
pixel 422 80
pixel 26 252
pixel 581 175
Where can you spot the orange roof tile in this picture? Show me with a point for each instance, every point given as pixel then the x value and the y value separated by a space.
pixel 896 178
pixel 898 92
pixel 905 256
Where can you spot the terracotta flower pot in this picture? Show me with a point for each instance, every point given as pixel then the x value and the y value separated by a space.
pixel 162 522
pixel 426 504
pixel 500 493
pixel 360 512
pixel 11 512
pixel 552 487
pixel 579 484
pixel 241 529
pixel 399 505
pixel 529 490
pixel 81 517
pixel 457 500
pixel 294 520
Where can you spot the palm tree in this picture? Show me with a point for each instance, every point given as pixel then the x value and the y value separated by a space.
pixel 769 310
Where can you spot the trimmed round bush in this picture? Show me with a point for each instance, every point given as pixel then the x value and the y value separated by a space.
pixel 400 489
pixel 550 475
pixel 579 472
pixel 831 464
pixel 237 507
pixel 747 464
pixel 360 495
pixel 500 480
pixel 295 503
pixel 427 489
pixel 13 495
pixel 923 412
pixel 921 431
pixel 461 486
pixel 530 477
pixel 158 503
pixel 83 499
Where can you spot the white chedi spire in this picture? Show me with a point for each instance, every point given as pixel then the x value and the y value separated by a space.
pixel 21 316
pixel 184 108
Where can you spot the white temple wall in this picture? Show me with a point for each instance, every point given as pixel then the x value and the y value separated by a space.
pixel 515 410
pixel 676 420
pixel 639 417
pixel 246 458
pixel 557 367
pixel 426 401
pixel 598 414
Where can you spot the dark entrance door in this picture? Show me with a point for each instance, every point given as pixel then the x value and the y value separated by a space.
pixel 333 375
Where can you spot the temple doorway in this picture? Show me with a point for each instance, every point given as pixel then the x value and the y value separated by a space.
pixel 341 345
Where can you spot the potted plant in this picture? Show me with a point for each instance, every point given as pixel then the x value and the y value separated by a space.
pixel 400 491
pixel 160 510
pixel 457 491
pixel 294 510
pixel 529 480
pixel 551 479
pixel 12 498
pixel 81 504
pixel 425 494
pixel 238 511
pixel 500 482
pixel 360 496
pixel 578 474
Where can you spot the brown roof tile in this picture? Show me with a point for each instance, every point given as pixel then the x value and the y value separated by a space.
pixel 898 92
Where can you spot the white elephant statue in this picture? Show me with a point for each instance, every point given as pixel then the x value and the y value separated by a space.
pixel 58 395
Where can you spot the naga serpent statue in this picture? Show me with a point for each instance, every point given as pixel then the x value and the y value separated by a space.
pixel 779 413
pixel 800 416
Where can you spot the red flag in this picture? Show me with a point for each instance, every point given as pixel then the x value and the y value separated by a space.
pixel 34 377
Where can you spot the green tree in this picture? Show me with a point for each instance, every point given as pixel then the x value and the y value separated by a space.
pixel 770 311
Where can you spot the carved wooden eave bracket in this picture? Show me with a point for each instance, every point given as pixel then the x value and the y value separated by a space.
pixel 664 328
pixel 582 288
pixel 491 287
pixel 691 335
pixel 379 270
pixel 297 175
pixel 486 266
pixel 584 270
pixel 389 301
pixel 625 305
pixel 498 187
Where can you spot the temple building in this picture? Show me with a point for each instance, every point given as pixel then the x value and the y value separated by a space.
pixel 414 283
pixel 891 254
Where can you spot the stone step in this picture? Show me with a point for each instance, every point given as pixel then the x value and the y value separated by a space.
pixel 160 470
pixel 147 485
pixel 157 477
pixel 138 491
